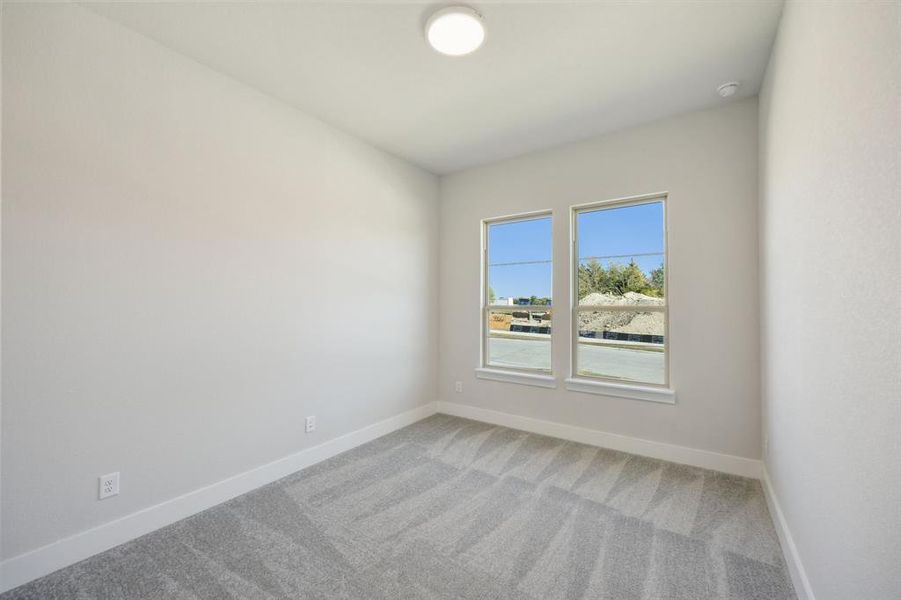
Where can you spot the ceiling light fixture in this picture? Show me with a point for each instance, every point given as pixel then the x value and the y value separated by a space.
pixel 455 30
pixel 728 89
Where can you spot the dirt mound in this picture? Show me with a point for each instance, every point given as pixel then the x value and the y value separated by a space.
pixel 627 299
pixel 649 323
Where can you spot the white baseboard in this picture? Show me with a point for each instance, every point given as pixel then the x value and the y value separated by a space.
pixel 736 465
pixel 21 569
pixel 789 550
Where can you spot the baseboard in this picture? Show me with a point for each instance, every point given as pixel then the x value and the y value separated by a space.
pixel 26 567
pixel 789 550
pixel 736 465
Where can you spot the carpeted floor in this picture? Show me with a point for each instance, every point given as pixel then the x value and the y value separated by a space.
pixel 454 509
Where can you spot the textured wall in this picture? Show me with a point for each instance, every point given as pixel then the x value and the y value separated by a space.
pixel 830 200
pixel 189 268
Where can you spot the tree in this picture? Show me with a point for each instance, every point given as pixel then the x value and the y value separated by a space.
pixel 634 278
pixel 492 298
pixel 618 279
pixel 658 279
pixel 585 286
pixel 592 278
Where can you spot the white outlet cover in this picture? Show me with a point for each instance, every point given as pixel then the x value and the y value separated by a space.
pixel 109 485
pixel 310 424
pixel 458 386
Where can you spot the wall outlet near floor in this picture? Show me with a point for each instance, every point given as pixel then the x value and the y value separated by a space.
pixel 109 485
pixel 458 387
pixel 309 424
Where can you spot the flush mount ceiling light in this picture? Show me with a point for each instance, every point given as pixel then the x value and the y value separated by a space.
pixel 728 89
pixel 455 30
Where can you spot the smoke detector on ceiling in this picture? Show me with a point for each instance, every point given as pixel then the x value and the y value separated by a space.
pixel 728 89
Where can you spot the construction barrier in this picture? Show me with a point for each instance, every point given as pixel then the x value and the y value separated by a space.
pixel 623 337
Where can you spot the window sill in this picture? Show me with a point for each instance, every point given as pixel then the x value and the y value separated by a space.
pixel 619 390
pixel 545 381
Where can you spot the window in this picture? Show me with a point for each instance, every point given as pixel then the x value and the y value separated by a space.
pixel 516 301
pixel 619 281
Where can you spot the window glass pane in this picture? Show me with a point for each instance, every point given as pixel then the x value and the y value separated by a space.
pixel 519 262
pixel 622 344
pixel 621 266
pixel 519 339
pixel 621 254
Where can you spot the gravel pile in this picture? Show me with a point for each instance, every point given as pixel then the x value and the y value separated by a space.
pixel 623 322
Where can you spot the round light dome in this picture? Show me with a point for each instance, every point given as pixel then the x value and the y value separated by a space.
pixel 455 31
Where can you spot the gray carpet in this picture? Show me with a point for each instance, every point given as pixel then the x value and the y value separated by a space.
pixel 454 509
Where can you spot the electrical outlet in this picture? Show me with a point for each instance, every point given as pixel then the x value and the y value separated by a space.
pixel 109 485
pixel 458 387
pixel 310 424
pixel 766 446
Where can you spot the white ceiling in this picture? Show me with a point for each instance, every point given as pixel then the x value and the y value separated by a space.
pixel 548 73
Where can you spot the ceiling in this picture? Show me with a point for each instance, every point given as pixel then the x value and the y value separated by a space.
pixel 548 73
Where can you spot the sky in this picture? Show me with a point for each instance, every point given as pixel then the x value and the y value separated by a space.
pixel 619 231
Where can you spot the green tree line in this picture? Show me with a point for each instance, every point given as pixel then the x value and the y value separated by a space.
pixel 619 279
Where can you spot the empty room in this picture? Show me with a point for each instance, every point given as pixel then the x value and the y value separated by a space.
pixel 412 300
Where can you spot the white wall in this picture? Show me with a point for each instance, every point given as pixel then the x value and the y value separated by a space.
pixel 707 161
pixel 830 201
pixel 189 268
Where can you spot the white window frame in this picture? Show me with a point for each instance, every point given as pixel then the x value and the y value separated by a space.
pixel 524 375
pixel 611 386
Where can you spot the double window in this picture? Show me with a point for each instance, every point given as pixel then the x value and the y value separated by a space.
pixel 618 280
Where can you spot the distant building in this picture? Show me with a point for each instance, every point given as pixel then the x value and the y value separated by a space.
pixel 505 301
